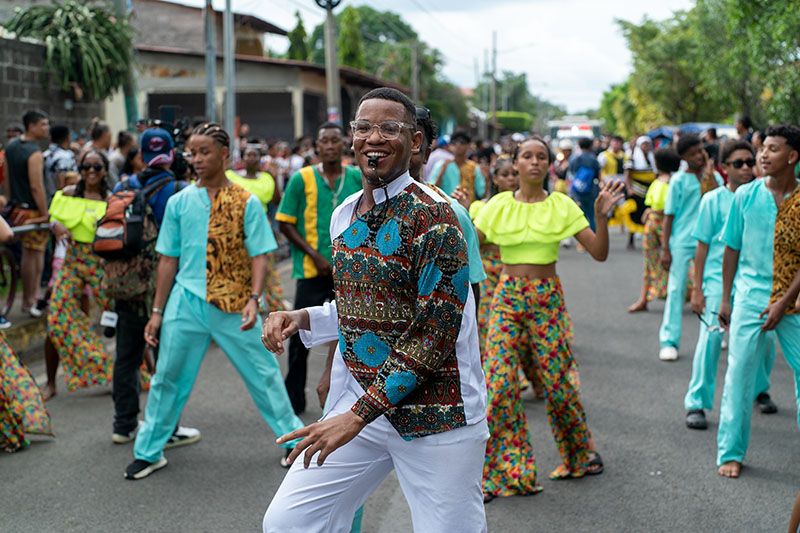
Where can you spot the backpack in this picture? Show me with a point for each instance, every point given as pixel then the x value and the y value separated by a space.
pixel 125 238
pixel 583 180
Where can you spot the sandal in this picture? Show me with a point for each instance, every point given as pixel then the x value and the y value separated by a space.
pixel 594 461
pixel 487 497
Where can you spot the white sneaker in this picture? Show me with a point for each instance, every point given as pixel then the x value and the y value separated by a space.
pixel 120 438
pixel 182 437
pixel 34 311
pixel 724 345
pixel 668 353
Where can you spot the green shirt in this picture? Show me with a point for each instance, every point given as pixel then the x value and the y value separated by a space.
pixel 308 203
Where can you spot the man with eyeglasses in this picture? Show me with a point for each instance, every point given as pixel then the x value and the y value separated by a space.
pixel 761 263
pixel 304 217
pixel 737 160
pixel 460 172
pixel 407 389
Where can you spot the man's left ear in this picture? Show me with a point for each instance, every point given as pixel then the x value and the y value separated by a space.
pixel 416 142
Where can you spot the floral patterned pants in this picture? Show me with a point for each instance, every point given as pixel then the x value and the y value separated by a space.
pixel 529 326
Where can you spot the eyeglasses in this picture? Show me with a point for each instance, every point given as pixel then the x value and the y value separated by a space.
pixel 739 163
pixel 96 166
pixel 423 113
pixel 710 327
pixel 389 130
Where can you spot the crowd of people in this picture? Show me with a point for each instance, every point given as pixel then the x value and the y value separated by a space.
pixel 425 264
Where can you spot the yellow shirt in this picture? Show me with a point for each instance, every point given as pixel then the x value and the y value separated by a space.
pixel 262 187
pixel 530 233
pixel 79 215
pixel 657 195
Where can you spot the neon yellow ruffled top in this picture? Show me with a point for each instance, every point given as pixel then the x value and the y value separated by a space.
pixel 475 208
pixel 263 187
pixel 656 195
pixel 79 215
pixel 530 233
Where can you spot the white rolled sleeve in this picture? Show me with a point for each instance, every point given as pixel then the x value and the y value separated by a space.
pixel 323 322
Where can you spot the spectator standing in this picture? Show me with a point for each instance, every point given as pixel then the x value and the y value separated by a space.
pixel 305 218
pixel 460 172
pixel 441 152
pixel 116 160
pixel 585 172
pixel 25 163
pixel 58 160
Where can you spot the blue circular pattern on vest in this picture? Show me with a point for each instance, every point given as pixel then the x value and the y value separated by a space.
pixel 371 350
pixel 399 385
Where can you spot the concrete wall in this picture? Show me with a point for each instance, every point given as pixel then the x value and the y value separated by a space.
pixel 21 88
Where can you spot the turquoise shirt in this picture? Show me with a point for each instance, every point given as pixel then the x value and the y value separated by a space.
pixel 711 220
pixel 750 229
pixel 476 273
pixel 184 234
pixel 452 178
pixel 683 203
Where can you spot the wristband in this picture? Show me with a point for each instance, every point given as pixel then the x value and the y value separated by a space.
pixel 254 296
pixel 158 311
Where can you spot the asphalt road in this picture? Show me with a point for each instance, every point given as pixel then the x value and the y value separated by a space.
pixel 659 475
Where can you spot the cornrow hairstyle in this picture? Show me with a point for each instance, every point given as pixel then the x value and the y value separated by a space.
pixel 537 139
pixel 215 131
pixel 80 187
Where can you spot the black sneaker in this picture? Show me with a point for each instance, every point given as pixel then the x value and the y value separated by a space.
pixel 284 460
pixel 696 419
pixel 141 469
pixel 765 404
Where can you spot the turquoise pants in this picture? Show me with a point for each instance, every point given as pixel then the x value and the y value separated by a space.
pixel 747 348
pixel 188 327
pixel 670 334
pixel 706 356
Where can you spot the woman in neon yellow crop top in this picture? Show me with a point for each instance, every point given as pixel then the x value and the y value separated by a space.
pixel 654 276
pixel 262 185
pixel 74 213
pixel 529 324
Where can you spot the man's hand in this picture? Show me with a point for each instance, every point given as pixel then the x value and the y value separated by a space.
pixel 249 315
pixel 281 325
pixel 323 266
pixel 724 314
pixel 698 300
pixel 152 328
pixel 324 437
pixel 666 258
pixel 774 314
pixel 461 196
pixel 323 387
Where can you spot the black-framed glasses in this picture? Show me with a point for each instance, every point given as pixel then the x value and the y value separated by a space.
pixel 423 113
pixel 710 327
pixel 739 163
pixel 96 166
pixel 388 130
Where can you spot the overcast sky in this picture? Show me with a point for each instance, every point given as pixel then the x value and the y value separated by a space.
pixel 571 50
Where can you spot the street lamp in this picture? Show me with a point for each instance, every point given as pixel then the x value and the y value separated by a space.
pixel 331 64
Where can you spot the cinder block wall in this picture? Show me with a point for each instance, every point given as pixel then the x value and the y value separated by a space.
pixel 22 75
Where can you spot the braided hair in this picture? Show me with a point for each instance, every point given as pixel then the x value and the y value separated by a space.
pixel 80 187
pixel 215 131
pixel 501 160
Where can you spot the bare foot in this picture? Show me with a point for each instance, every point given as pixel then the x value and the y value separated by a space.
pixel 48 391
pixel 730 469
pixel 638 306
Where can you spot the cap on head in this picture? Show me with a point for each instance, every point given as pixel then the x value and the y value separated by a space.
pixel 157 147
pixel 566 144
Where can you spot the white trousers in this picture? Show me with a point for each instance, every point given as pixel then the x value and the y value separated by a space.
pixel 440 476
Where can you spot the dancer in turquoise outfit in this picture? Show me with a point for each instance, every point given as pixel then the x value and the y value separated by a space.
pixel 738 161
pixel 762 226
pixel 677 251
pixel 218 234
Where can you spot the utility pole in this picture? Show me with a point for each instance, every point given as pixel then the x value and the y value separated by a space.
pixel 129 85
pixel 211 63
pixel 230 91
pixel 478 100
pixel 494 86
pixel 414 71
pixel 485 87
pixel 331 62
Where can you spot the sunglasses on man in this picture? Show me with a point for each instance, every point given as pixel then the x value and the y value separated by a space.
pixel 739 163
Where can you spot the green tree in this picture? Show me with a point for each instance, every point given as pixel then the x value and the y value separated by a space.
pixel 351 47
pixel 513 94
pixel 298 44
